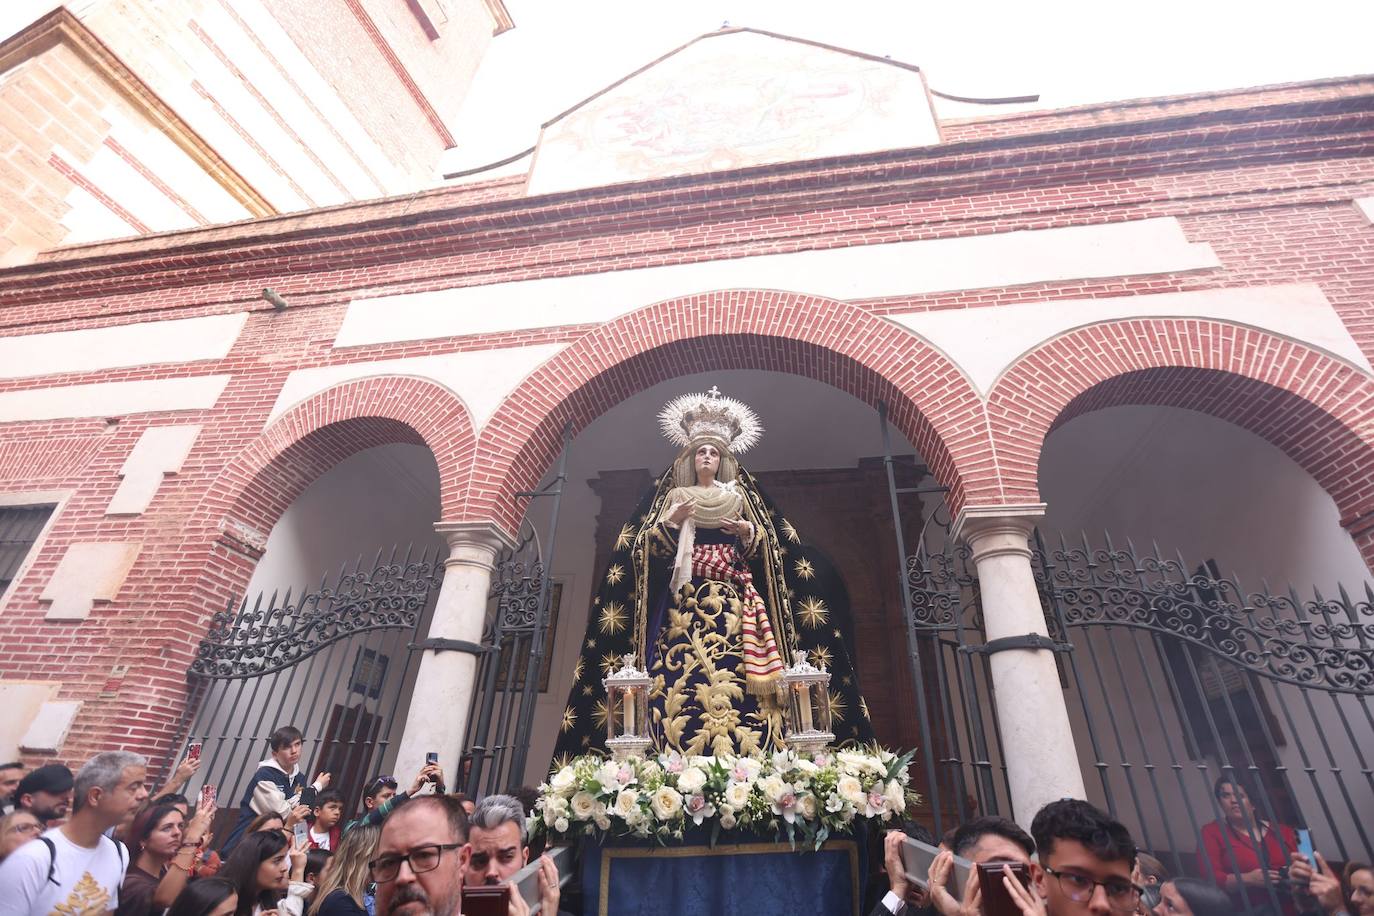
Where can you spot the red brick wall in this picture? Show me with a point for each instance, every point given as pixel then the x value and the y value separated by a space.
pixel 1273 199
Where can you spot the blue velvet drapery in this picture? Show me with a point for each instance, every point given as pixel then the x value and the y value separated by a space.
pixel 747 878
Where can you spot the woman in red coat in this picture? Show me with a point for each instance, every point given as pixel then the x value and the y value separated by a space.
pixel 1229 846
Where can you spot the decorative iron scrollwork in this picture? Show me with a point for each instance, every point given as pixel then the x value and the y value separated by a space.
pixel 943 589
pixel 518 587
pixel 250 643
pixel 1327 643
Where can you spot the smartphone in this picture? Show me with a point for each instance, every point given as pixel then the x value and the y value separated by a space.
pixel 916 859
pixel 486 900
pixel 193 750
pixel 997 900
pixel 302 832
pixel 208 795
pixel 1305 846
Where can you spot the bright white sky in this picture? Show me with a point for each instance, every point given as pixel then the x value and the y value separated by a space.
pixel 1069 51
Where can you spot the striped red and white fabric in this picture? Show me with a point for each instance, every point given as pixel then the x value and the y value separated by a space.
pixel 762 660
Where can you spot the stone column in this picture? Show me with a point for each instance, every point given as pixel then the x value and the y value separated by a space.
pixel 1037 742
pixel 442 697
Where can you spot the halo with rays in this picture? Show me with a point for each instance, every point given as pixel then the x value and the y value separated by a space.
pixel 728 412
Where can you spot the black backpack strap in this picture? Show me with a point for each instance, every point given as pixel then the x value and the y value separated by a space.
pixel 121 852
pixel 52 857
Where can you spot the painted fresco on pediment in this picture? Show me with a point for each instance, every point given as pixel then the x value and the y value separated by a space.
pixel 733 101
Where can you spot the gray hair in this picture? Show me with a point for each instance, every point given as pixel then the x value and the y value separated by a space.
pixel 495 810
pixel 103 771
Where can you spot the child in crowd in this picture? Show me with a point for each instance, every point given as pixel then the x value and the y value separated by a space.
pixel 316 860
pixel 327 826
pixel 278 785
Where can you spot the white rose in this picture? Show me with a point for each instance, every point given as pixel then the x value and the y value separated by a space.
pixel 773 787
pixel 806 766
pixel 563 780
pixel 627 803
pixel 583 805
pixel 727 819
pixel 851 790
pixel 691 780
pixel 807 805
pixel 555 806
pixel 737 794
pixel 606 775
pixel 602 822
pixel 561 825
pixel 896 796
pixel 667 803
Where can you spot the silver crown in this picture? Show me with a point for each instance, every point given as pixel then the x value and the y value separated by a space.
pixel 693 416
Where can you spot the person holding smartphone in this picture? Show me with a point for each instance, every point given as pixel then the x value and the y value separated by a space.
pixel 420 861
pixel 982 841
pixel 499 847
pixel 1241 842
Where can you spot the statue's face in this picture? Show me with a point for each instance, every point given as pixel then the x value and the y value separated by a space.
pixel 707 460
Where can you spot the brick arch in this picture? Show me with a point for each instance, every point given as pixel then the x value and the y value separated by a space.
pixel 1310 404
pixel 929 399
pixel 310 438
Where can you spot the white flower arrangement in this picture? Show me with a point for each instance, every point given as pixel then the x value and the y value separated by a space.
pixel 799 796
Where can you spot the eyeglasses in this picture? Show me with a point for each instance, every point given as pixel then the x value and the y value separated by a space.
pixel 421 859
pixel 27 828
pixel 1121 895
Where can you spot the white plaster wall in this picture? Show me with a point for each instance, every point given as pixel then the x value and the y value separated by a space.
pixel 984 349
pixel 806 425
pixel 857 272
pixel 112 399
pixel 176 341
pixel 480 378
pixel 1211 491
pixel 374 499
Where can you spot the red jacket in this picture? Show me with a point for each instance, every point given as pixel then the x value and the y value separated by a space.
pixel 335 833
pixel 1220 843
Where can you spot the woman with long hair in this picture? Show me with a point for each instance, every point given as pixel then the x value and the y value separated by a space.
pixel 268 874
pixel 206 897
pixel 163 847
pixel 345 879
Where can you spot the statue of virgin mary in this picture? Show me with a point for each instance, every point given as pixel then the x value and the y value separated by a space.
pixel 714 593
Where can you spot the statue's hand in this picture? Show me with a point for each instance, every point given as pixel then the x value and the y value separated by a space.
pixel 679 513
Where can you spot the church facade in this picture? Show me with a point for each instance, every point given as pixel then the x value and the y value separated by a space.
pixel 997 281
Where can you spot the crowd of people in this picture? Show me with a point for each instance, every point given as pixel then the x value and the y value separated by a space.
pixel 99 840
pixel 1087 863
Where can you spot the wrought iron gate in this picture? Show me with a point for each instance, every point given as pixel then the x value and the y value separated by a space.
pixel 1178 677
pixel 512 670
pixel 1175 677
pixel 336 661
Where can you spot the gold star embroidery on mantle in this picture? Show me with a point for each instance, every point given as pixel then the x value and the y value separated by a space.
pixel 813 612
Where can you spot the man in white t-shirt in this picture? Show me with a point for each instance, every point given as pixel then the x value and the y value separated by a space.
pixel 74 870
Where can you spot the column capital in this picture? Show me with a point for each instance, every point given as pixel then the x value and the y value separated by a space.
pixel 997 530
pixel 474 542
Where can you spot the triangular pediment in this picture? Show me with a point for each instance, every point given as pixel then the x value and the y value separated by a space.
pixel 733 99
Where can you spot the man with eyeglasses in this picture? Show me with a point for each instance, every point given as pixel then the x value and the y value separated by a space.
pixel 1086 860
pixel 421 857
